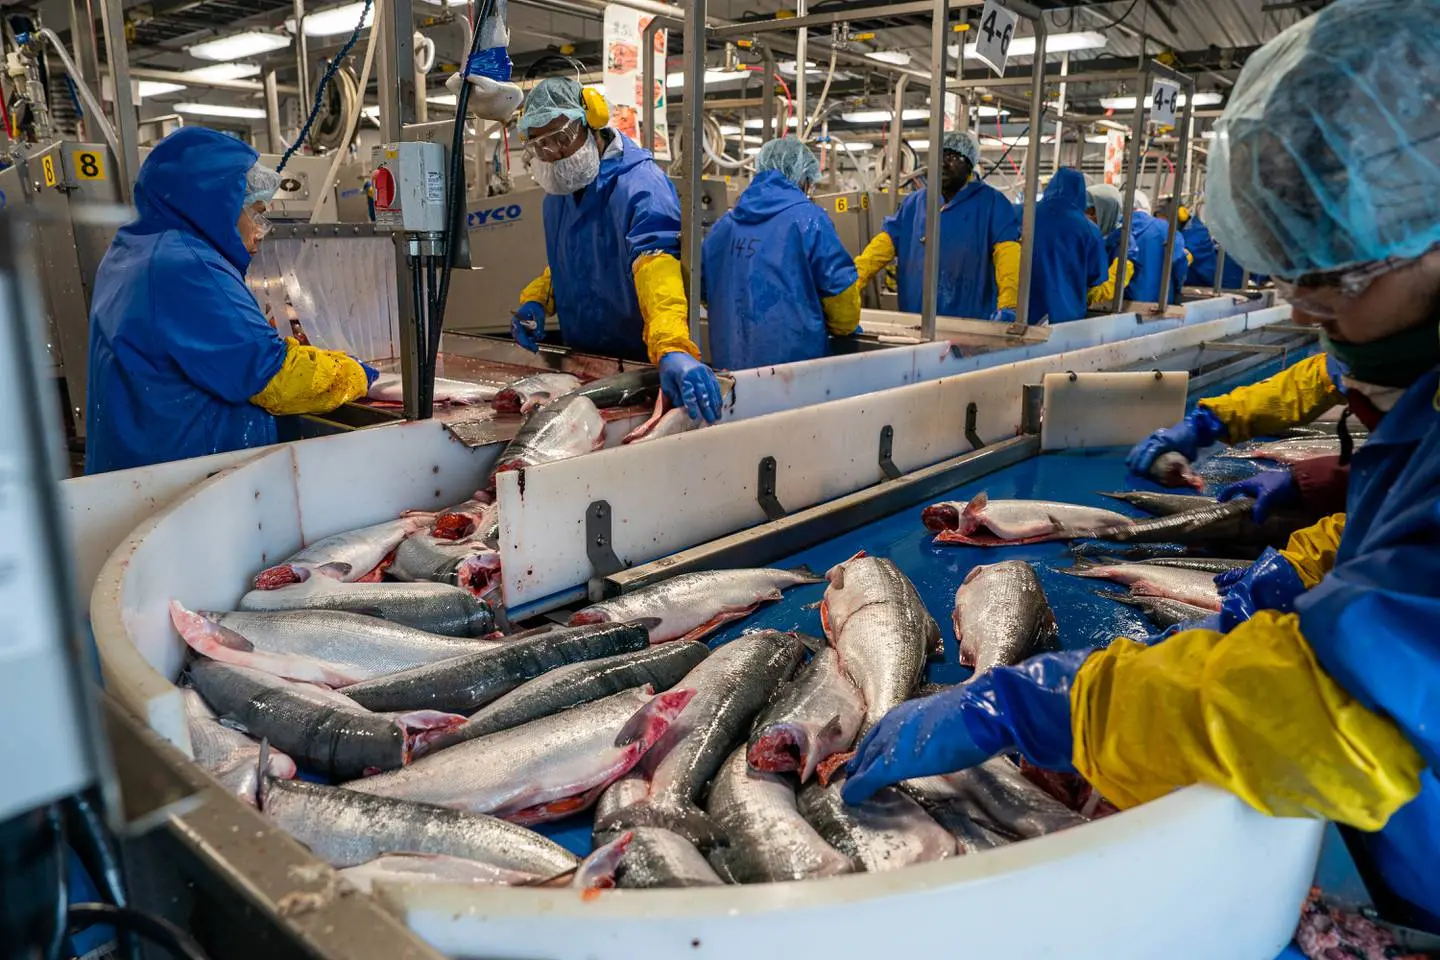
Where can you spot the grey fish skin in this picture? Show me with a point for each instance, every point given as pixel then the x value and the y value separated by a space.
pixel 564 687
pixel 692 605
pixel 345 828
pixel 228 755
pixel 768 839
pixel 1208 522
pixel 319 731
pixel 563 428
pixel 1292 451
pixel 465 684
pixel 731 686
pixel 937 796
pixel 1160 504
pixel 372 646
pixel 816 715
pixel 433 607
pixel 1195 587
pixel 879 626
pixel 997 796
pixel 622 389
pixel 886 832
pixel 1001 616
pixel 1216 565
pixel 658 858
pixel 1161 611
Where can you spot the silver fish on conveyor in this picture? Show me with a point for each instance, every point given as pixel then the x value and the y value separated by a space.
pixel 532 392
pixel 1173 470
pixel 937 796
pixel 1160 504
pixel 1001 616
pixel 466 564
pixel 345 557
pixel 1292 451
pixel 983 522
pixel 1161 611
pixel 997 796
pixel 595 872
pixel 325 731
pixel 542 770
pixel 564 687
pixel 432 607
pixel 767 838
pixel 732 686
pixel 228 755
pixel 345 828
pixel 877 623
pixel 1195 587
pixel 389 388
pixel 693 605
pixel 816 715
pixel 568 427
pixel 316 646
pixel 659 858
pixel 1208 522
pixel 1215 565
pixel 465 684
pixel 886 832
pixel 623 389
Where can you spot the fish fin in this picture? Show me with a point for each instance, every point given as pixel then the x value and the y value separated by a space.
pixel 813 644
pixel 715 623
pixel 977 504
pixel 803 570
pixel 825 620
pixel 826 769
pixel 335 570
pixel 1082 563
pixel 554 809
pixel 597 871
pixel 651 624
pixel 262 763
pixel 1119 596
pixel 233 724
pixel 199 630
pixel 375 612
pixel 952 536
pixel 720 862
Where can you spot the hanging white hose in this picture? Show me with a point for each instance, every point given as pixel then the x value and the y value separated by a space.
pixel 722 160
pixel 333 174
pixel 424 52
pixel 92 106
pixel 820 104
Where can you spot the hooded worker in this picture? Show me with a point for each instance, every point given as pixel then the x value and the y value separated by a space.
pixel 612 241
pixel 1104 211
pixel 1150 234
pixel 777 280
pixel 979 242
pixel 182 361
pixel 1203 252
pixel 1069 257
pixel 1319 699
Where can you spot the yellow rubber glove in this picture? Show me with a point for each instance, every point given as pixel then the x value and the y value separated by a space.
pixel 878 252
pixel 1189 258
pixel 1006 257
pixel 660 287
pixel 540 291
pixel 1294 396
pixel 1250 711
pixel 312 381
pixel 1311 550
pixel 1182 216
pixel 842 311
pixel 1105 293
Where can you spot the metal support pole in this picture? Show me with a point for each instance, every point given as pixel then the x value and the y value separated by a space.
pixel 767 99
pixel 930 293
pixel 1219 269
pixel 897 136
pixel 1032 184
pixel 82 42
pixel 302 56
pixel 1137 135
pixel 962 100
pixel 647 76
pixel 395 86
pixel 1173 218
pixel 802 48
pixel 272 112
pixel 694 162
pixel 126 124
pixel 1059 124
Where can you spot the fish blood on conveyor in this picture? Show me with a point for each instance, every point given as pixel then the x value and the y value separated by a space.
pixel 983 522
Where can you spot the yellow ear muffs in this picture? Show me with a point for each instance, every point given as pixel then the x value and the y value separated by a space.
pixel 597 111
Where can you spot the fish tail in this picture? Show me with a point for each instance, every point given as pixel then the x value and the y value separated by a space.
pixel 808 575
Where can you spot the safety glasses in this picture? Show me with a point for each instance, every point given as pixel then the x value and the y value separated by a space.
pixel 262 224
pixel 558 144
pixel 1322 293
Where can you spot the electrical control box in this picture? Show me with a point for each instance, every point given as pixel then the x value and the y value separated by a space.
pixel 409 185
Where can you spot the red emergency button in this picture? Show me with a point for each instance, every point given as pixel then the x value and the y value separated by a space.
pixel 384 182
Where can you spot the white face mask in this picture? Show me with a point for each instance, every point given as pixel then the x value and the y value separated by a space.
pixel 575 172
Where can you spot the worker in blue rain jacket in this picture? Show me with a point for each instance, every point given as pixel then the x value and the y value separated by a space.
pixel 182 361
pixel 1201 247
pixel 612 242
pixel 1104 211
pixel 979 242
pixel 1325 705
pixel 1069 258
pixel 1150 233
pixel 778 283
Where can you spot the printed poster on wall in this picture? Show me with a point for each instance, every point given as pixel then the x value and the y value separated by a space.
pixel 1114 156
pixel 624 79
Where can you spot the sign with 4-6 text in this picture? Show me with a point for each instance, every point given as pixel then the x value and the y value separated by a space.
pixel 997 29
pixel 1163 97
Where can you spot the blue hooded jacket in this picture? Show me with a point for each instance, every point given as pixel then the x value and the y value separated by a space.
pixel 178 345
pixel 767 265
pixel 1149 234
pixel 1069 255
pixel 591 244
pixel 1202 270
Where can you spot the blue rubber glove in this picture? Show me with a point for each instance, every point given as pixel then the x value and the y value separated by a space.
pixel 691 384
pixel 1199 429
pixel 371 374
pixel 1270 583
pixel 1024 707
pixel 1003 315
pixel 528 325
pixel 1270 488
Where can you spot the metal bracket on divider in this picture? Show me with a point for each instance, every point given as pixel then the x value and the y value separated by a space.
pixel 971 411
pixel 599 547
pixel 765 490
pixel 1032 403
pixel 887 443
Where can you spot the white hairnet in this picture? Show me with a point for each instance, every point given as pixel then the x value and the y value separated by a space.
pixel 1328 154
pixel 261 184
pixel 962 142
pixel 552 97
pixel 1142 202
pixel 792 158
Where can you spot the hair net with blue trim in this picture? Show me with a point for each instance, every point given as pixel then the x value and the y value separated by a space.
pixel 962 142
pixel 261 184
pixel 552 97
pixel 792 158
pixel 1328 154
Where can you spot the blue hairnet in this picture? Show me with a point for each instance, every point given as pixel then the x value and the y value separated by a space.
pixel 552 97
pixel 1328 154
pixel 261 184
pixel 790 157
pixel 962 142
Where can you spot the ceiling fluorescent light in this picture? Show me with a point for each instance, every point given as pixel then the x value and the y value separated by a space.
pixel 1055 44
pixel 897 57
pixel 755 123
pixel 883 116
pixel 1128 103
pixel 226 71
pixel 334 21
pixel 158 88
pixel 220 110
pixel 237 46
pixel 677 80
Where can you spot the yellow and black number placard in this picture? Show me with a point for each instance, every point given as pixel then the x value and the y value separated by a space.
pixel 89 165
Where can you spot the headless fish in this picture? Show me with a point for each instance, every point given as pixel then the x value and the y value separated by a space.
pixel 983 522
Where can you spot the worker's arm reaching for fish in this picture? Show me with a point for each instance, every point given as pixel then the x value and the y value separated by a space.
pixel 312 381
pixel 877 253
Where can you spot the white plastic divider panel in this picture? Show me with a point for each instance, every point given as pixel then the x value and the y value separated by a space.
pixel 1109 409
pixel 686 489
pixel 204 548
pixel 1161 874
